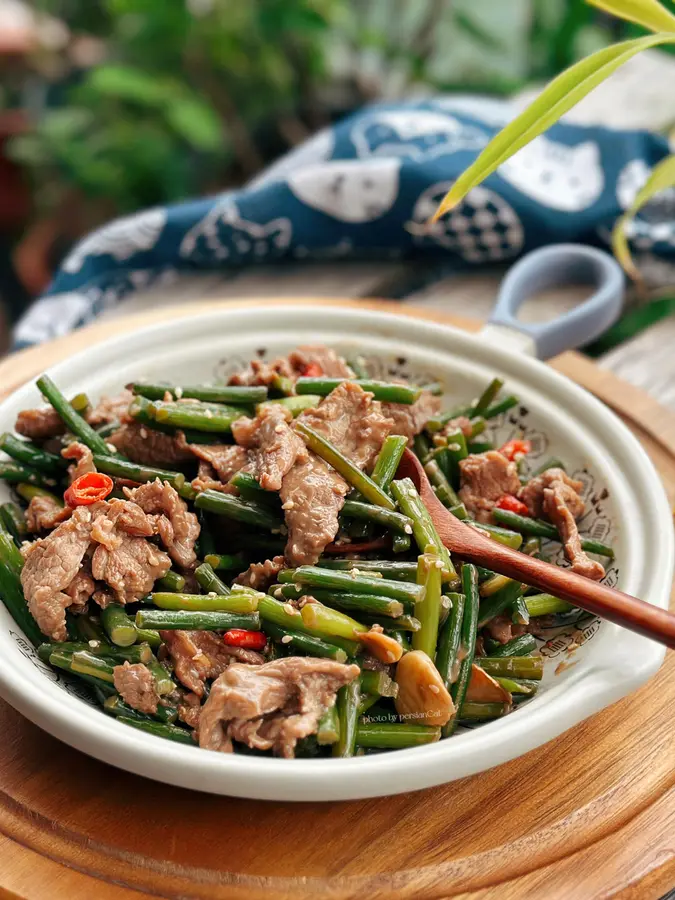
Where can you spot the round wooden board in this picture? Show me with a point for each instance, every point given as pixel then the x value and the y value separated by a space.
pixel 589 815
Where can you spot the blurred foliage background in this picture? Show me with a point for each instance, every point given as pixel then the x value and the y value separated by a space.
pixel 123 104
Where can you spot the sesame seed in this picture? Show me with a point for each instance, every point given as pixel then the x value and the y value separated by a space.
pixel 286 639
pixel 289 504
pixel 279 429
pixel 144 432
pixel 412 493
pixel 212 594
pixel 179 393
pixel 112 448
pixel 291 610
pixel 278 593
pixel 93 644
pixel 434 688
pixel 439 563
pixel 408 529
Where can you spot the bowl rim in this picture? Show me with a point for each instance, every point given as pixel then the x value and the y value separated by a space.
pixel 85 728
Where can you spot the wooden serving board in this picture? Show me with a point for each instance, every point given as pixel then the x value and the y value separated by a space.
pixel 589 815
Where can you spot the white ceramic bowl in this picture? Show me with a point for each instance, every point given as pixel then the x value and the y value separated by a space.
pixel 627 502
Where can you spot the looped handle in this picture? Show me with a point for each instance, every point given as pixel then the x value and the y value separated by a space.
pixel 556 266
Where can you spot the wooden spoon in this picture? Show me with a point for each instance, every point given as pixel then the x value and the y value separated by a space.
pixel 475 547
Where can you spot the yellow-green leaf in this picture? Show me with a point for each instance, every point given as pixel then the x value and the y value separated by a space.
pixel 649 13
pixel 661 178
pixel 555 100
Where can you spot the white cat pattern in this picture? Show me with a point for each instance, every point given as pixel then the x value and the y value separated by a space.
pixel 120 239
pixel 351 190
pixel 223 235
pixel 484 227
pixel 317 149
pixel 562 177
pixel 414 133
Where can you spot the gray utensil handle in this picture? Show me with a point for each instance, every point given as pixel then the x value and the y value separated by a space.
pixel 556 266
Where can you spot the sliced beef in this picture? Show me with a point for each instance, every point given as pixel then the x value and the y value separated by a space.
pixel 271 706
pixel 178 528
pixel 189 708
pixel 274 443
pixel 503 629
pixel 484 478
pixel 50 566
pixel 558 510
pixel 460 422
pixel 318 359
pixel 201 655
pixel 149 447
pixel 312 495
pixel 81 588
pixel 111 409
pixel 84 461
pixel 207 480
pixel 261 575
pixel 351 420
pixel 410 419
pixel 39 424
pixel 136 686
pixel 45 512
pixel 532 493
pixel 224 459
pixel 123 558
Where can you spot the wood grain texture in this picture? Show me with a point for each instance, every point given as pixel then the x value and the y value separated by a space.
pixel 589 815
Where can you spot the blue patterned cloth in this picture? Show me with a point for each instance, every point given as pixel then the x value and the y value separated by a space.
pixel 365 189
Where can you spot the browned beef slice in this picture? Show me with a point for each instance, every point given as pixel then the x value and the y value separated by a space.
pixel 332 365
pixel 351 420
pixel 111 409
pixel 484 478
pixel 261 575
pixel 532 493
pixel 45 513
pixel 136 686
pixel 178 528
pixel 410 419
pixel 312 495
pixel 189 708
pixel 51 565
pixel 149 447
pixel 84 461
pixel 503 629
pixel 207 480
pixel 81 588
pixel 274 443
pixel 124 559
pixel 557 509
pixel 38 424
pixel 199 655
pixel 259 372
pixel 225 459
pixel 271 706
pixel 460 422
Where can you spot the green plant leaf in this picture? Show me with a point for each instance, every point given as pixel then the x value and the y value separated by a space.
pixel 555 100
pixel 196 122
pixel 128 83
pixel 648 13
pixel 661 178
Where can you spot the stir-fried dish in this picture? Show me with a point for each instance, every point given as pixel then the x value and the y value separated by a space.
pixel 238 566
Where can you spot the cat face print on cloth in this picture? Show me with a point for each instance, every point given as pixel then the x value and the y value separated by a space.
pixel 484 227
pixel 121 239
pixel 223 235
pixel 415 133
pixel 351 190
pixel 317 149
pixel 568 178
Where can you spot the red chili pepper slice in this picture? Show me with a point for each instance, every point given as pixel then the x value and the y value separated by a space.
pixel 515 448
pixel 312 370
pixel 239 637
pixel 512 504
pixel 87 489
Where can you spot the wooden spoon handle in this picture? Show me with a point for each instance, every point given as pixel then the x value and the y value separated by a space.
pixel 609 603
